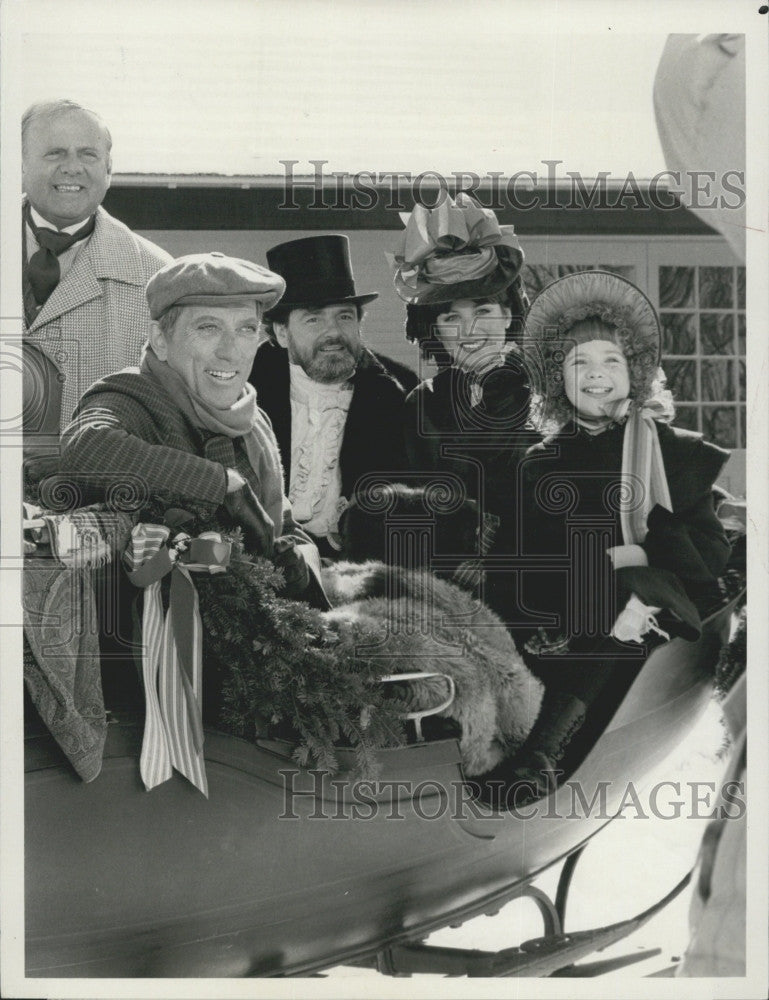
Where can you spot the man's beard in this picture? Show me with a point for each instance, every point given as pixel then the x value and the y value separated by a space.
pixel 326 368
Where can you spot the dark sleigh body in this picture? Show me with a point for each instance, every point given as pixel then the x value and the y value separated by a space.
pixel 285 871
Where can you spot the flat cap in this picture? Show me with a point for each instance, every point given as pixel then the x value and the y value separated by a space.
pixel 212 279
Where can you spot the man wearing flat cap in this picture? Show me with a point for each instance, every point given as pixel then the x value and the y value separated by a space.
pixel 185 424
pixel 336 411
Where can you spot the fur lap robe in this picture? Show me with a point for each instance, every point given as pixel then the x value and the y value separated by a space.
pixel 428 624
pixel 270 661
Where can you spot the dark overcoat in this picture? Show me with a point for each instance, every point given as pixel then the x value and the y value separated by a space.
pixel 570 489
pixel 479 444
pixel 373 434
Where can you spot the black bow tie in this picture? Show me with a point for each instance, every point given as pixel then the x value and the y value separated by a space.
pixel 43 269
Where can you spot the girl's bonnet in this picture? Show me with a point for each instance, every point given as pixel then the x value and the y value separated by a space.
pixel 600 295
pixel 550 335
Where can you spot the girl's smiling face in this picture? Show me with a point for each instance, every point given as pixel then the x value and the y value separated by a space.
pixel 594 374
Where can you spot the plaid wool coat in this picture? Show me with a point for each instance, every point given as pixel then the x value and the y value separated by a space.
pixel 97 320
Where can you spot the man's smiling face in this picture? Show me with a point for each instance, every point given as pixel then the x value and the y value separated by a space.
pixel 212 348
pixel 594 374
pixel 66 166
pixel 324 340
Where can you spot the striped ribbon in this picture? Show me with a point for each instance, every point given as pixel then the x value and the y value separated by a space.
pixel 644 469
pixel 489 525
pixel 172 655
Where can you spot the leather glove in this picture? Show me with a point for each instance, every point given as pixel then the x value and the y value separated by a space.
pixel 506 392
pixel 287 558
pixel 245 508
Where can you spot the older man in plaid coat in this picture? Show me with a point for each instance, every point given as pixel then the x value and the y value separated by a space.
pixel 83 272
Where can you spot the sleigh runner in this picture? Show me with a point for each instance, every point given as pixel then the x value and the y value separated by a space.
pixel 240 890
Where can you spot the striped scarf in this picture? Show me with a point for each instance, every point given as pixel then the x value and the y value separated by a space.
pixel 644 483
pixel 172 657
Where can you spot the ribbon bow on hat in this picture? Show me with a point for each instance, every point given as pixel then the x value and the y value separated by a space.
pixel 456 242
pixel 172 656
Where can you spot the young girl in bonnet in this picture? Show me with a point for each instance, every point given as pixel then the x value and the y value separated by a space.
pixel 617 502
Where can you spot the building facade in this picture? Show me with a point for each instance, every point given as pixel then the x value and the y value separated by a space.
pixel 687 269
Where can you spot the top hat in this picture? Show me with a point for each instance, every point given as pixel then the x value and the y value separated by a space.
pixel 317 271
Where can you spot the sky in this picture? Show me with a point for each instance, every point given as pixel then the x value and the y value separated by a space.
pixel 236 87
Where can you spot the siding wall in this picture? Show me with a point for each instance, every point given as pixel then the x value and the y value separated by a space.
pixel 184 220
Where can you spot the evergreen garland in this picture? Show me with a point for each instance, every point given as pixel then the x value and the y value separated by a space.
pixel 279 664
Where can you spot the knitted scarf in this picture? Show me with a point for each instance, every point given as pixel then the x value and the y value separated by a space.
pixel 243 420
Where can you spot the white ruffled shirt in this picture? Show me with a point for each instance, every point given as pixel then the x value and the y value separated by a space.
pixel 318 418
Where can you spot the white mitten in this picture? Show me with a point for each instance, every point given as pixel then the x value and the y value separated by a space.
pixel 635 621
pixel 627 555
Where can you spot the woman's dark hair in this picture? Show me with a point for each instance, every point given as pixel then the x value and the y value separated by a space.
pixel 420 320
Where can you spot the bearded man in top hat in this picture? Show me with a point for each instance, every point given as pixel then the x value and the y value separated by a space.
pixel 336 412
